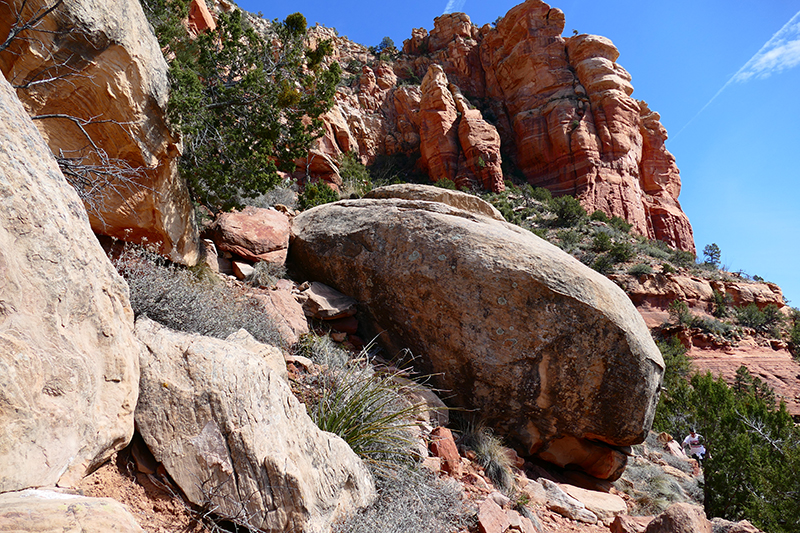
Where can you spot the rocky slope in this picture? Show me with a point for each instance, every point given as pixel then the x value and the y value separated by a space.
pixel 559 108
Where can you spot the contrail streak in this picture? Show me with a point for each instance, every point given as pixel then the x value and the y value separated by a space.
pixel 453 5
pixel 777 37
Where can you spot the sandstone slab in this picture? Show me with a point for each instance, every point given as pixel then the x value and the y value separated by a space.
pixel 254 234
pixel 565 505
pixel 606 506
pixel 68 358
pixel 108 70
pixel 231 434
pixel 43 511
pixel 550 351
pixel 326 303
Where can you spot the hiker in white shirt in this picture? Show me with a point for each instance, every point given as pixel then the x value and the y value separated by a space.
pixel 696 448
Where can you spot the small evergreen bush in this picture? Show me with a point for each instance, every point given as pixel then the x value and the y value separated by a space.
pixel 569 211
pixel 603 264
pixel 722 302
pixel 620 224
pixel 317 193
pixel 445 183
pixel 682 258
pixel 766 321
pixel 622 251
pixel 640 270
pixel 356 180
pixel 600 216
pixel 568 239
pixel 601 242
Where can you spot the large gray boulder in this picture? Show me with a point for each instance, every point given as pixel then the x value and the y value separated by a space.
pixel 69 361
pixel 552 353
pixel 105 65
pixel 231 434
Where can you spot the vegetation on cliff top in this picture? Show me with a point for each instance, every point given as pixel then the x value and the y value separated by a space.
pixel 247 104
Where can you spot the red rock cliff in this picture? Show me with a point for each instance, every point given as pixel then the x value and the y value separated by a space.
pixel 559 108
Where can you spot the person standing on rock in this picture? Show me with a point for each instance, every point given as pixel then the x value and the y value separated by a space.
pixel 696 448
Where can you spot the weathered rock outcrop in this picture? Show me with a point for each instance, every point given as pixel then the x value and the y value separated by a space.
pixel 550 351
pixel 231 434
pixel 107 69
pixel 68 357
pixel 560 108
pixel 652 293
pixel 42 511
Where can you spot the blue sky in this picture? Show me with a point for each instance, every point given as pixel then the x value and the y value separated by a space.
pixel 739 157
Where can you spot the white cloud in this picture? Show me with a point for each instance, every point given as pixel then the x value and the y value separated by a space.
pixel 454 6
pixel 780 53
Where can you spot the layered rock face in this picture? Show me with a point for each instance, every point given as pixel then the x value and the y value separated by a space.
pixel 69 362
pixel 105 69
pixel 231 434
pixel 549 351
pixel 560 108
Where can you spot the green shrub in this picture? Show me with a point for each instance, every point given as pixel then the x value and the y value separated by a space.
pixel 317 193
pixel 679 312
pixel 640 269
pixel 604 264
pixel 622 251
pixel 322 350
pixel 722 302
pixel 246 106
pixel 368 411
pixel 194 302
pixel 683 259
pixel 666 268
pixel 446 184
pixel 656 252
pixel 356 179
pixel 540 232
pixel 569 238
pixel 568 211
pixel 601 242
pixel 539 193
pixel 620 224
pixel 651 490
pixel 714 327
pixel 600 216
pixel 766 321
pixel 794 333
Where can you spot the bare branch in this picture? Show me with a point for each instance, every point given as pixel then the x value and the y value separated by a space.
pixel 95 182
pixel 21 26
pixel 758 427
